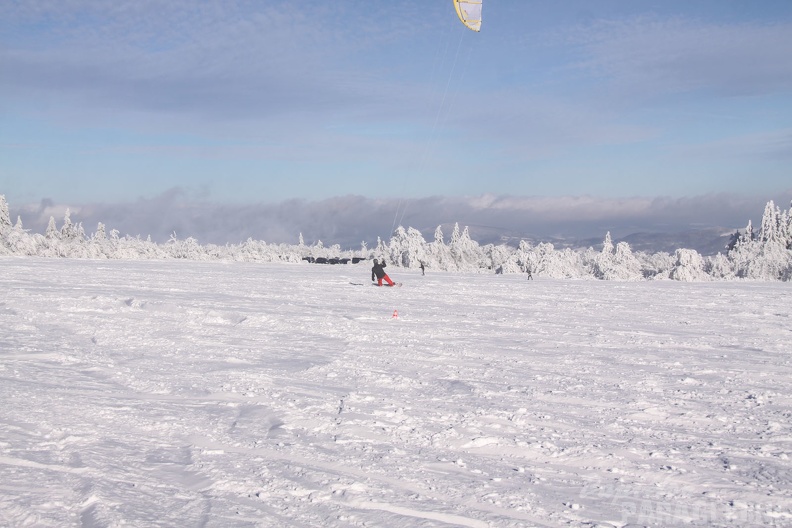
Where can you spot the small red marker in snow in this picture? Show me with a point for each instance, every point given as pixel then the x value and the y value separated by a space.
pixel 395 314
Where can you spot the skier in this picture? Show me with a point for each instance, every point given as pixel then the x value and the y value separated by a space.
pixel 423 269
pixel 378 272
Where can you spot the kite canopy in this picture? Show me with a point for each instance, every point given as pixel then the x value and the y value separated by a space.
pixel 469 12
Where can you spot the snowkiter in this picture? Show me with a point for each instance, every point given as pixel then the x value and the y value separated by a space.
pixel 378 272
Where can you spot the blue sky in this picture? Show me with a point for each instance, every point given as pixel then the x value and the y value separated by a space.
pixel 234 104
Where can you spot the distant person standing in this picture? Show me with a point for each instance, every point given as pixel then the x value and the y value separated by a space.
pixel 378 271
pixel 423 269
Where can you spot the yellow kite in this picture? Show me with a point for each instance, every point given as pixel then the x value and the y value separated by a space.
pixel 469 12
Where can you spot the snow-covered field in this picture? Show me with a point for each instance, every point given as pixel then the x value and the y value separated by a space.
pixel 181 393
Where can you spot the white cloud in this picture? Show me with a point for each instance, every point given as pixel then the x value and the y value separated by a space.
pixel 349 220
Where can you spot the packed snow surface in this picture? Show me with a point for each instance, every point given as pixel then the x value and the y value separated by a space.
pixel 182 393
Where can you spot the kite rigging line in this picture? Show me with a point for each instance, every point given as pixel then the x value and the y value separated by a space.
pixel 398 217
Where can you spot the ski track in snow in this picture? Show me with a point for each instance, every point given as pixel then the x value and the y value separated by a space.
pixel 180 393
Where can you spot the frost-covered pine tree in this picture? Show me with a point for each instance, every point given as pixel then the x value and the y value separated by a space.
pixel 742 252
pixel 52 232
pixel 100 246
pixel 438 235
pixel 523 257
pixel 766 256
pixel 786 225
pixel 397 246
pixel 68 230
pixel 601 267
pixel 545 262
pixel 407 248
pixel 499 258
pixel 465 252
pixel 20 242
pixel 381 251
pixel 625 265
pixel 5 226
pixel 473 255
pixel 5 217
pixel 773 262
pixel 438 253
pixel 607 245
pixel 183 249
pixel 455 234
pixel 615 262
pixel 100 234
pixel 771 230
pixel 689 266
pixel 719 267
pixel 79 232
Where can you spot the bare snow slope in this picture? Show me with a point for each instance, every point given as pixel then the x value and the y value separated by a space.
pixel 176 393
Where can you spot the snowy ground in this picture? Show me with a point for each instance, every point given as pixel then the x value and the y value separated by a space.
pixel 176 393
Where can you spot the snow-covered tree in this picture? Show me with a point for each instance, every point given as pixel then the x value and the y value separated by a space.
pixel 545 261
pixel 655 266
pixel 498 258
pixel 407 248
pixel 522 258
pixel 624 264
pixel 438 235
pixel 100 235
pixel 5 217
pixel 771 230
pixel 52 232
pixel 615 262
pixel 185 249
pixel 772 262
pixel 19 242
pixel 767 256
pixel 786 223
pixel 602 266
pixel 68 230
pixel 465 252
pixel 719 267
pixel 381 250
pixel 438 253
pixel 689 266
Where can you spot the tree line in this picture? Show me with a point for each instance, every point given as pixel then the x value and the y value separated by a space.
pixel 763 254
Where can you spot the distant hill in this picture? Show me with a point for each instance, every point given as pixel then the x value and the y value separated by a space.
pixel 706 241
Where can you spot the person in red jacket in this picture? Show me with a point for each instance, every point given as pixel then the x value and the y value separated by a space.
pixel 378 272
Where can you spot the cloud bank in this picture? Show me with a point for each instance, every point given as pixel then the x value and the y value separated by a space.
pixel 350 220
